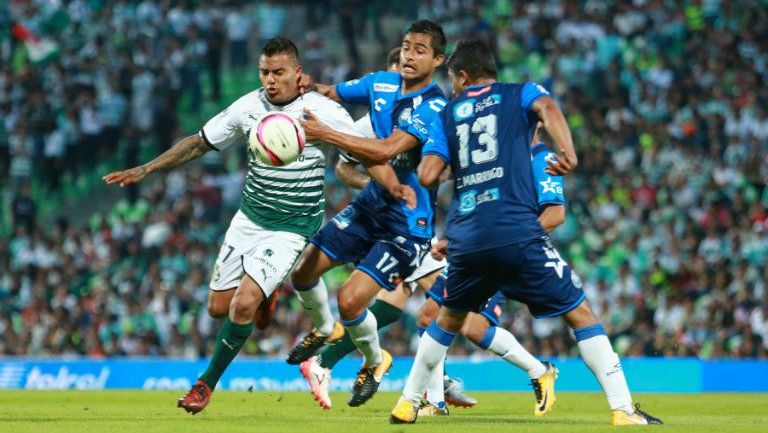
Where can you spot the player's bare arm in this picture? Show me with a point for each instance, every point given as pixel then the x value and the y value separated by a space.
pixel 188 149
pixel 557 128
pixel 385 175
pixel 370 149
pixel 430 170
pixel 346 172
pixel 551 217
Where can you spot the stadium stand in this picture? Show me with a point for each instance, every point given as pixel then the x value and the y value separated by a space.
pixel 668 210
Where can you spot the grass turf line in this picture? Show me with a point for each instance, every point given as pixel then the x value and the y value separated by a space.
pixel 146 412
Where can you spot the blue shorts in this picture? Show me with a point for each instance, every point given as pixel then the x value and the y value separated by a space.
pixel 491 310
pixel 353 236
pixel 530 272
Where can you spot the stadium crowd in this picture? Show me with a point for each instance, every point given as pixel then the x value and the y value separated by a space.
pixel 668 210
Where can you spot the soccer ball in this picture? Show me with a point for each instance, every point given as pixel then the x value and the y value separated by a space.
pixel 276 139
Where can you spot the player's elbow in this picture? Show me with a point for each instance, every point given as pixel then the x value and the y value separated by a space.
pixel 428 178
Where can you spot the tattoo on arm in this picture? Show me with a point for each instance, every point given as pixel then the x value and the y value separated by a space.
pixel 189 148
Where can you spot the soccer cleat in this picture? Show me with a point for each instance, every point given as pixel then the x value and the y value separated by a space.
pixel 621 418
pixel 428 409
pixel 454 393
pixel 196 399
pixel 544 388
pixel 266 311
pixel 319 379
pixel 368 380
pixel 312 342
pixel 404 412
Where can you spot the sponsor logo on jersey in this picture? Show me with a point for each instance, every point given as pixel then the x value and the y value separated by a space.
pixel 421 222
pixel 488 195
pixel 385 88
pixel 483 176
pixel 465 110
pixel 489 101
pixel 417 101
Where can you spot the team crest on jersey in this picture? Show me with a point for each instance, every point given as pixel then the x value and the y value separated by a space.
pixel 467 202
pixel 465 110
pixel 405 116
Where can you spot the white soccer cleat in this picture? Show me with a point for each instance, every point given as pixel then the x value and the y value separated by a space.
pixel 319 379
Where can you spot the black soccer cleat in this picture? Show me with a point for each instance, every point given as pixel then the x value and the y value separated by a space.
pixel 368 380
pixel 311 343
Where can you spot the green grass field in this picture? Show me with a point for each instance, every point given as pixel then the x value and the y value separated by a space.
pixel 137 411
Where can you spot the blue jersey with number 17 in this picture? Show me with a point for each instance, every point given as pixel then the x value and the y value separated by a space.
pixel 485 136
pixel 413 113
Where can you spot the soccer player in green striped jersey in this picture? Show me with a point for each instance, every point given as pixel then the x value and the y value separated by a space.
pixel 281 207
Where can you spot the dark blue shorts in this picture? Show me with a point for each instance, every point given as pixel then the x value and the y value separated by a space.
pixel 491 310
pixel 530 272
pixel 353 236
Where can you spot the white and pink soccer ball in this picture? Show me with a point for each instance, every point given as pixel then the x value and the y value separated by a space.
pixel 276 139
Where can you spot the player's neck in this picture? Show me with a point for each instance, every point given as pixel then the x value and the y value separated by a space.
pixel 410 86
pixel 482 82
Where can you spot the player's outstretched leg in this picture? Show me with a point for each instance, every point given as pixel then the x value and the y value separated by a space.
pixel 599 356
pixel 232 336
pixel 317 369
pixel 361 325
pixel 501 342
pixel 319 379
pixel 433 346
pixel 313 295
pixel 314 299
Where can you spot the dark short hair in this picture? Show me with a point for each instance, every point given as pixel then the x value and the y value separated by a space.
pixel 435 32
pixel 393 58
pixel 473 57
pixel 280 45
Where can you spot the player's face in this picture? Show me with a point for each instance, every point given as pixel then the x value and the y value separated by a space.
pixel 417 59
pixel 279 75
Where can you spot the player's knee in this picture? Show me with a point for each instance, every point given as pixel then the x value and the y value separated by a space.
pixel 473 332
pixel 349 306
pixel 218 305
pixel 243 308
pixel 423 320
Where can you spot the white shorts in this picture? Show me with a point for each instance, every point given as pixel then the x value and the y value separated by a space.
pixel 266 256
pixel 427 266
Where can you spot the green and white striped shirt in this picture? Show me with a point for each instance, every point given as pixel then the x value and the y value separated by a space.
pixel 288 198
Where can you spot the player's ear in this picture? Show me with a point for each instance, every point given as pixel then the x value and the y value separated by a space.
pixel 439 59
pixel 466 80
pixel 298 70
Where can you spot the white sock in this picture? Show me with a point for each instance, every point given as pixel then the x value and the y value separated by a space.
pixel 605 365
pixel 315 303
pixel 435 389
pixel 506 345
pixel 430 354
pixel 366 337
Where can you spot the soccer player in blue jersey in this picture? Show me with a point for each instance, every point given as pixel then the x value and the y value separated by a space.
pixel 483 328
pixel 495 240
pixel 384 238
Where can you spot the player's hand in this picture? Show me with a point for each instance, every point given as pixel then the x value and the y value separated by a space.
pixel 561 164
pixel 440 249
pixel 305 83
pixel 313 127
pixel 126 177
pixel 405 193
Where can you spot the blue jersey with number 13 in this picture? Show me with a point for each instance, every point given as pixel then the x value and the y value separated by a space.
pixel 485 136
